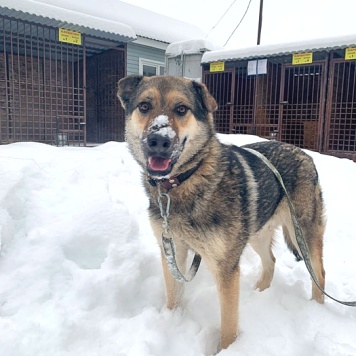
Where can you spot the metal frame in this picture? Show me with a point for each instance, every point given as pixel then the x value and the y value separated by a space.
pixel 42 79
pixel 302 100
pixel 106 120
pixel 221 85
pixel 310 105
pixel 246 104
pixel 43 85
pixel 340 118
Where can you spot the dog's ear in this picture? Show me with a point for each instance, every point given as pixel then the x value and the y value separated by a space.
pixel 127 87
pixel 208 100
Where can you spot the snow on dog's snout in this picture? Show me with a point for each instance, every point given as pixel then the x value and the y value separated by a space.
pixel 160 125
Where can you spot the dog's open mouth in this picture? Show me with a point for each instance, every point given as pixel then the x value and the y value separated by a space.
pixel 158 164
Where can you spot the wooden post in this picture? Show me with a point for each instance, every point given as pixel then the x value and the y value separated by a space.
pixel 260 23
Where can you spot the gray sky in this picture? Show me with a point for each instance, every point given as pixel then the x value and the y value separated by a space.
pixel 283 20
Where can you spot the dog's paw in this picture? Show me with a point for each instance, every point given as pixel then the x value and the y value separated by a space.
pixel 263 284
pixel 318 297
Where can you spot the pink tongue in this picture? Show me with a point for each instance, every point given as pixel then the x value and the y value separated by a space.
pixel 158 163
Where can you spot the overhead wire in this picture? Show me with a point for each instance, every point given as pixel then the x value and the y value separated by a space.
pixel 221 17
pixel 248 6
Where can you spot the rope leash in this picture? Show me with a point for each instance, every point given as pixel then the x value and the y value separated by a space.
pixel 298 231
pixel 168 242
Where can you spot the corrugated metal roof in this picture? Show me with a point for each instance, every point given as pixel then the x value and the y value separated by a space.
pixel 112 19
pixel 54 16
pixel 146 23
pixel 265 51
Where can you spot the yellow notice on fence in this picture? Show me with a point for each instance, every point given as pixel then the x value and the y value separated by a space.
pixel 217 67
pixel 70 37
pixel 350 53
pixel 302 58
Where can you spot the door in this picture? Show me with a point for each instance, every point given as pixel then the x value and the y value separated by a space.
pixel 301 105
pixel 221 87
pixel 105 115
pixel 110 70
pixel 340 130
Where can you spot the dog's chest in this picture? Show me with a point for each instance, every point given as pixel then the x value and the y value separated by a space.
pixel 197 220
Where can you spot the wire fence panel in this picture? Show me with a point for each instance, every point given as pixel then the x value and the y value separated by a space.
pixel 341 108
pixel 41 81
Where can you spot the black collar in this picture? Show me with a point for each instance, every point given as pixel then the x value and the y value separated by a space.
pixel 172 182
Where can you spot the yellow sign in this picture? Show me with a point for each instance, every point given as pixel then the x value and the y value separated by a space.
pixel 70 36
pixel 217 67
pixel 350 53
pixel 302 58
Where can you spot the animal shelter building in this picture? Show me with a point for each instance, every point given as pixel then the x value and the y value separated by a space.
pixel 60 64
pixel 59 69
pixel 300 93
pixel 44 66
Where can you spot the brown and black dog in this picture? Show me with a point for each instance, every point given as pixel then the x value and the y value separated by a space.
pixel 223 196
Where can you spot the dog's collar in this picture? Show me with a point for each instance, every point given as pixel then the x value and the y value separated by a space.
pixel 172 182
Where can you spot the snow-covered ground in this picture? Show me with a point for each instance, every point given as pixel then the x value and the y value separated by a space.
pixel 80 269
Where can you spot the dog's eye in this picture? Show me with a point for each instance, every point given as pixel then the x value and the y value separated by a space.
pixel 181 110
pixel 144 107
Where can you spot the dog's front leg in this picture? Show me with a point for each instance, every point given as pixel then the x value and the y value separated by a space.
pixel 228 289
pixel 174 289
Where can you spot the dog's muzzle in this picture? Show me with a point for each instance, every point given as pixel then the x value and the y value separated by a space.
pixel 159 150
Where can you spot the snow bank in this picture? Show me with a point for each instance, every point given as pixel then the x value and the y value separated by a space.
pixel 80 269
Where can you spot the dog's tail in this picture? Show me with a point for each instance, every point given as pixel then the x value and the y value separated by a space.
pixel 290 245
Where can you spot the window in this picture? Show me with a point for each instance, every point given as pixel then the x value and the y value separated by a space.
pixel 150 68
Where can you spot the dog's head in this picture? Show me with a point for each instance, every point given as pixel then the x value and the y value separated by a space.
pixel 168 120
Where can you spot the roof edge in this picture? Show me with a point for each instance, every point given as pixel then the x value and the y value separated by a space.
pixel 273 50
pixel 50 15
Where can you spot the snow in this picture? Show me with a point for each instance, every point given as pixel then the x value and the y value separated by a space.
pixel 193 46
pixel 55 11
pixel 146 23
pixel 310 45
pixel 112 16
pixel 80 269
pixel 159 124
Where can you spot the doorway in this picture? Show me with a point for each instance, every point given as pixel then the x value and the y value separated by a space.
pixel 105 117
pixel 340 137
pixel 301 104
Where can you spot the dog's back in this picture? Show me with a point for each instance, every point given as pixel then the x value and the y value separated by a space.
pixel 299 175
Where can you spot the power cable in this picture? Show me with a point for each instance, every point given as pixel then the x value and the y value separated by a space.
pixel 248 6
pixel 221 18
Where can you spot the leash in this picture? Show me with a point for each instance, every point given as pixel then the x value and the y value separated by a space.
pixel 168 242
pixel 298 231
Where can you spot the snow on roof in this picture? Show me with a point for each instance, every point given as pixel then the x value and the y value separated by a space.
pixel 50 14
pixel 145 23
pixel 324 44
pixel 190 47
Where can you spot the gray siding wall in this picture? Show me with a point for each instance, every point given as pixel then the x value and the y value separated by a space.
pixel 191 66
pixel 135 51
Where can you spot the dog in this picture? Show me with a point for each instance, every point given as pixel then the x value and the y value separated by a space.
pixel 222 196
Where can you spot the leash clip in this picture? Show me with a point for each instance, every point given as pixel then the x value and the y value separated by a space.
pixel 164 212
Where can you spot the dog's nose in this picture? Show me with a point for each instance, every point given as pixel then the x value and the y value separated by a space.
pixel 158 143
